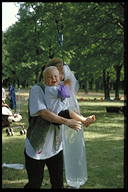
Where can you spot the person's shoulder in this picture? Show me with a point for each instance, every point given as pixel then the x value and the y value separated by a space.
pixel 36 88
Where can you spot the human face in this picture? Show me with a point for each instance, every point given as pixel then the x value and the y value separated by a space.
pixel 52 77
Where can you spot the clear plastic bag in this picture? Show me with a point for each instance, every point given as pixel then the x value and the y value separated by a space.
pixel 74 157
pixel 13 166
pixel 69 75
pixel 73 142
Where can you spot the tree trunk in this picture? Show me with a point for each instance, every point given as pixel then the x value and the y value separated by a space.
pixel 51 55
pixel 91 84
pixel 23 83
pixel 97 85
pixel 18 82
pixel 86 86
pixel 117 87
pixel 106 84
pixel 86 83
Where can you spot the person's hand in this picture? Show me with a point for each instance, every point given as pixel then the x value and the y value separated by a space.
pixel 73 124
pixel 67 82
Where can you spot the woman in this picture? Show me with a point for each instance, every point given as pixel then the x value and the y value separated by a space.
pixel 46 149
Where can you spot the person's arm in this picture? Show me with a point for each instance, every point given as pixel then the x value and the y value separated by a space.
pixel 54 118
pixel 37 107
pixel 73 81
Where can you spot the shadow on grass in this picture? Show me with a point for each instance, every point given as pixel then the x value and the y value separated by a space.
pixel 104 163
pixel 104 142
pixel 104 149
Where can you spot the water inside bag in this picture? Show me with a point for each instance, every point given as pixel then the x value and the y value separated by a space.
pixel 73 141
pixel 74 157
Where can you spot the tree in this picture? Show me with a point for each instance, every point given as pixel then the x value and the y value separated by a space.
pixel 93 40
pixel 99 40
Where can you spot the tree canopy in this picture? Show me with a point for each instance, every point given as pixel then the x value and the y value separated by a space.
pixel 93 41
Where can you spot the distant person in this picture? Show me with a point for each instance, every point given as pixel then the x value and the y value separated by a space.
pixel 12 97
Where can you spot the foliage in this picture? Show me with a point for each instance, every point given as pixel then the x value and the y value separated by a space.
pixel 93 39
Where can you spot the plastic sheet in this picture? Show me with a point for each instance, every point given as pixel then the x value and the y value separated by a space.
pixel 13 166
pixel 74 157
pixel 73 142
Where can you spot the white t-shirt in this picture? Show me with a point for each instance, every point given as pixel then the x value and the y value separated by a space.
pixel 54 103
pixel 37 103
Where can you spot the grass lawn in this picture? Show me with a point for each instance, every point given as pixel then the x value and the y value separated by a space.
pixel 104 142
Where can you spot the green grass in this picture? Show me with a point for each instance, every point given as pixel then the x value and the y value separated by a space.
pixel 104 146
pixel 104 142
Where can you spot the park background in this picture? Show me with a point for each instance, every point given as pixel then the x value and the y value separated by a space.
pixel 93 47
